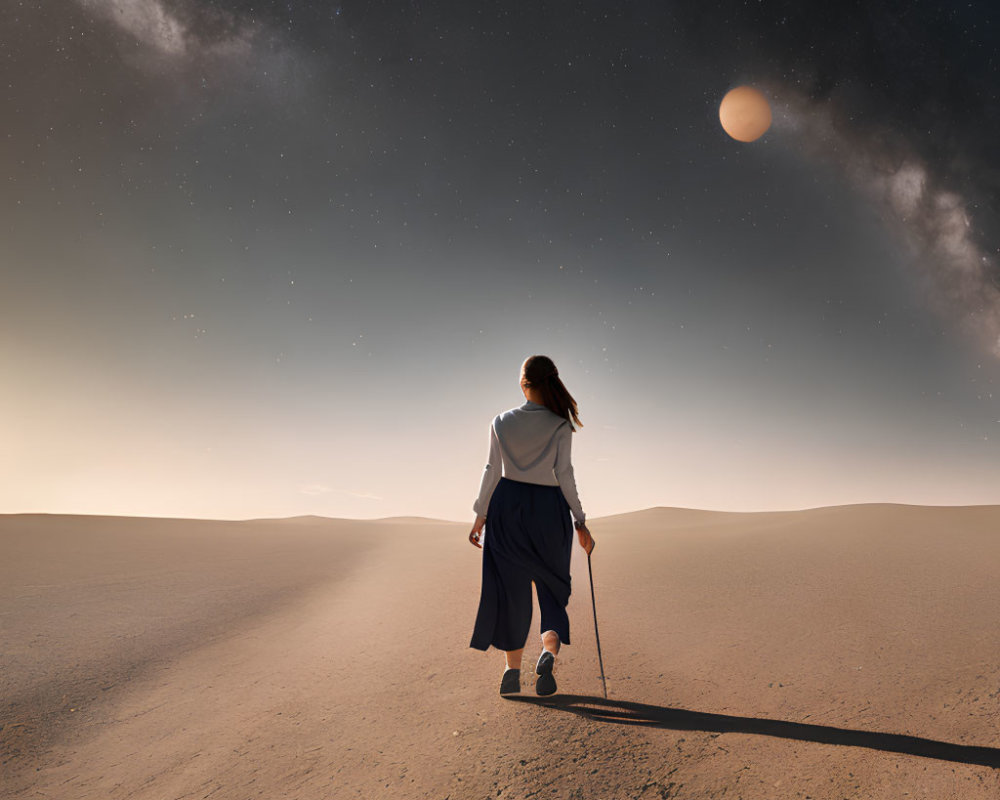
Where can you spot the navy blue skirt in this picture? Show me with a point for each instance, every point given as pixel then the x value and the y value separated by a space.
pixel 529 539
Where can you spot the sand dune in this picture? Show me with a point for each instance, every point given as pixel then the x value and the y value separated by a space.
pixel 846 652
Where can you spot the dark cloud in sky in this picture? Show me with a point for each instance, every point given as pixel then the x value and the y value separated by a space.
pixel 588 126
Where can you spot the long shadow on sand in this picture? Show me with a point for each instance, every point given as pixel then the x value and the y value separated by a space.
pixel 679 719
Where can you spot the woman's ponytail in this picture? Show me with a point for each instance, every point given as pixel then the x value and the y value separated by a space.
pixel 541 374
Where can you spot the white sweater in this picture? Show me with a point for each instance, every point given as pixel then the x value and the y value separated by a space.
pixel 532 445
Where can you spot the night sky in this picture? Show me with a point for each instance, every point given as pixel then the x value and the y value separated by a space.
pixel 265 259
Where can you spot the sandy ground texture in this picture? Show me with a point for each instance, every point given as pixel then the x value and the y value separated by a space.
pixel 845 652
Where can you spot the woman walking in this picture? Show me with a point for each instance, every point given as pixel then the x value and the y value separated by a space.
pixel 526 514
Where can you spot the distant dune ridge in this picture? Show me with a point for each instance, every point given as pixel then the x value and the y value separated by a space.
pixel 843 652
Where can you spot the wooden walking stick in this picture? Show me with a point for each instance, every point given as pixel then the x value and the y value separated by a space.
pixel 597 635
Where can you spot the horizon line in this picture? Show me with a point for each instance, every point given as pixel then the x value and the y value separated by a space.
pixel 425 519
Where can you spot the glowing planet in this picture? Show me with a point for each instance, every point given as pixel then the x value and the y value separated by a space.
pixel 745 113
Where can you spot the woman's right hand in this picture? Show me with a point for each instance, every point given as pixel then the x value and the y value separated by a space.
pixel 586 540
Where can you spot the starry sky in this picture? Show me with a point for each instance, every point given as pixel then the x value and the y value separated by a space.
pixel 267 259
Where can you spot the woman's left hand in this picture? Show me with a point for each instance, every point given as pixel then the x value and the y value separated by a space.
pixel 476 534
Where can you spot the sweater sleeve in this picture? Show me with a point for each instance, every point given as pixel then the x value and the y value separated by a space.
pixel 491 475
pixel 563 470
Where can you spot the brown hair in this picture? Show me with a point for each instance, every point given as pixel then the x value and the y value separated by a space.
pixel 541 374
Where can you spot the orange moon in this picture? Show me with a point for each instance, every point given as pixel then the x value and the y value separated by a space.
pixel 745 113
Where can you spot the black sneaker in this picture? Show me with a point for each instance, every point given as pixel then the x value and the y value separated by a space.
pixel 511 682
pixel 546 683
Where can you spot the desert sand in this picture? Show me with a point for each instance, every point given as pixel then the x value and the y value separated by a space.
pixel 846 652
